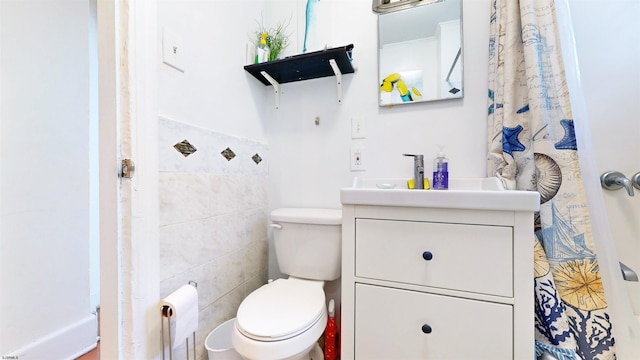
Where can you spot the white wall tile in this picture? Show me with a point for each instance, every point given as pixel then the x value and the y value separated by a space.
pixel 183 197
pixel 213 216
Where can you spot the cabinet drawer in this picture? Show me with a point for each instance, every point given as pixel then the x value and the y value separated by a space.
pixel 472 258
pixel 389 325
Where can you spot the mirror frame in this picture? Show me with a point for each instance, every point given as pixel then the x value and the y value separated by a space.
pixel 457 91
pixel 385 6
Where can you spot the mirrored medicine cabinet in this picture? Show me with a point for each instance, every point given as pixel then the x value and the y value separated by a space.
pixel 419 50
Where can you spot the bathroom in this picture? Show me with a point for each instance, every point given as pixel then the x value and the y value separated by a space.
pixel 303 164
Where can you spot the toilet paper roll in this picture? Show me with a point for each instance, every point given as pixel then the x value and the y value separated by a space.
pixel 183 311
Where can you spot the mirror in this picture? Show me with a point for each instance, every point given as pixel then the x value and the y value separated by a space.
pixel 419 51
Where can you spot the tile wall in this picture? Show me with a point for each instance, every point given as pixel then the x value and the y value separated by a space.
pixel 213 219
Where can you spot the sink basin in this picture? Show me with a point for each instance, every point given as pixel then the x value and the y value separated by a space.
pixel 472 193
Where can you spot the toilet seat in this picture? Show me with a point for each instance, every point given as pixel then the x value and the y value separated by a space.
pixel 281 310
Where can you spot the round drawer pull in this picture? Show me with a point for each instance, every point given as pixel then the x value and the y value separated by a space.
pixel 426 329
pixel 427 255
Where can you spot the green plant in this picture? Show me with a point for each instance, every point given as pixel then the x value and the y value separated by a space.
pixel 277 38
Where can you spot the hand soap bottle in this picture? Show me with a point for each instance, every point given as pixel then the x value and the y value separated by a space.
pixel 440 172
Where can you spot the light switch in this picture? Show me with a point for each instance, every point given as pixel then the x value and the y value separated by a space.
pixel 172 51
pixel 358 127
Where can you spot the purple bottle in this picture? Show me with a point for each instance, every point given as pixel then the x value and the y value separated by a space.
pixel 440 172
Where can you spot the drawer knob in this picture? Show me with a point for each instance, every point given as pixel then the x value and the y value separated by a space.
pixel 426 329
pixel 427 255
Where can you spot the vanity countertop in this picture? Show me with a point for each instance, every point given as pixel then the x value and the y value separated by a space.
pixel 472 193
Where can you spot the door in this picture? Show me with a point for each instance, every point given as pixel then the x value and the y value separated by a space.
pixel 128 126
pixel 48 185
pixel 48 179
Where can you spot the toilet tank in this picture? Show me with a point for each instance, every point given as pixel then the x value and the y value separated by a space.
pixel 308 242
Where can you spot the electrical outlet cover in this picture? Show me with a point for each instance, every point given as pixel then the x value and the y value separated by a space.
pixel 357 159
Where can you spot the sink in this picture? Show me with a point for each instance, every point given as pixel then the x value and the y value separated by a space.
pixel 470 193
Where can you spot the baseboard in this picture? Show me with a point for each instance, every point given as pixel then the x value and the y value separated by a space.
pixel 67 343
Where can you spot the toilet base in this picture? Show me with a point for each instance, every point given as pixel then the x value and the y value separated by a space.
pixel 302 347
pixel 316 353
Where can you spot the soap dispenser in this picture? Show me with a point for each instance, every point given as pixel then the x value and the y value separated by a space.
pixel 441 171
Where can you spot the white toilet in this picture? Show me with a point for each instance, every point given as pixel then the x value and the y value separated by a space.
pixel 283 320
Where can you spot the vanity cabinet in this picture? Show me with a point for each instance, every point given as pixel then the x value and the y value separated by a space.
pixel 436 283
pixel 402 324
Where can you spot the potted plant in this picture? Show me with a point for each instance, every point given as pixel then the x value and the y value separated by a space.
pixel 277 38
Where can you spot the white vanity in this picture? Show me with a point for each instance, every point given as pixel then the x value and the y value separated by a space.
pixel 437 274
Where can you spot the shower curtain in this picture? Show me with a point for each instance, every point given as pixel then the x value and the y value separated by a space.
pixel 532 146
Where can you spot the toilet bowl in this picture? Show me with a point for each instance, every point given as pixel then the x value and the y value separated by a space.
pixel 283 319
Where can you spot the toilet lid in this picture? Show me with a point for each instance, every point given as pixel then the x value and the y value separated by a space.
pixel 281 309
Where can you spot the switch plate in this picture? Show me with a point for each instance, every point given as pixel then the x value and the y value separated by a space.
pixel 172 50
pixel 358 127
pixel 357 159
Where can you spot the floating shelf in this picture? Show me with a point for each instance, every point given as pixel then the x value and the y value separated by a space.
pixel 317 64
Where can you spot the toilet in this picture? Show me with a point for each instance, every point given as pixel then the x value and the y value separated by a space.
pixel 283 319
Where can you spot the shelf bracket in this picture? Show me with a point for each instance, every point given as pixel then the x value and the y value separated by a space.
pixel 276 87
pixel 338 73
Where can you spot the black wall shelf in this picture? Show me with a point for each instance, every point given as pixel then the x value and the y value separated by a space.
pixel 305 66
pixel 317 64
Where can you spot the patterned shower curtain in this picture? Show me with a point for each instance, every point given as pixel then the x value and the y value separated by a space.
pixel 532 146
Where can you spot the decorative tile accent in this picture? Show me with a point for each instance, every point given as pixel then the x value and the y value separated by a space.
pixel 228 154
pixel 185 148
pixel 256 158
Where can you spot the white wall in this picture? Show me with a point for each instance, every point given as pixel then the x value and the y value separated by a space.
pixel 214 91
pixel 309 163
pixel 213 212
pixel 608 55
pixel 44 177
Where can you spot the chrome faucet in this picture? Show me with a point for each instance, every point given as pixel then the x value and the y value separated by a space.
pixel 614 180
pixel 418 170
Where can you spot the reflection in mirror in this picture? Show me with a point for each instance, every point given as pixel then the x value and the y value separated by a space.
pixel 420 53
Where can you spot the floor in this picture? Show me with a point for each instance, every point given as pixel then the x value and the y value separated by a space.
pixel 95 353
pixel 91 355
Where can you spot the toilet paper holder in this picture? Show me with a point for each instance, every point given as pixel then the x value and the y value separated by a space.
pixel 166 313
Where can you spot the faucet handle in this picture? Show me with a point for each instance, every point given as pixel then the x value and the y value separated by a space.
pixel 614 180
pixel 635 180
